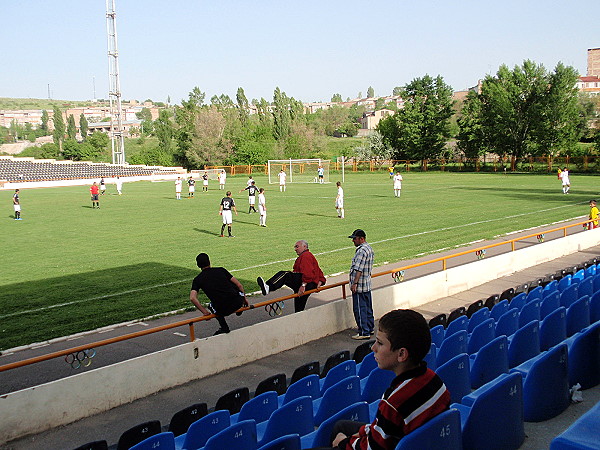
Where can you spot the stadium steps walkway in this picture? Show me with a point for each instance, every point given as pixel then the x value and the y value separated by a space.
pixel 109 425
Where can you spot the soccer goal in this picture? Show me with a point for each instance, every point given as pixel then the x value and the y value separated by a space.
pixel 298 170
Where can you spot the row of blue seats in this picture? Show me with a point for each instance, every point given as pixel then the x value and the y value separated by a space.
pixel 582 434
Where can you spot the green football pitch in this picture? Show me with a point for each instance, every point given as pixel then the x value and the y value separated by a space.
pixel 67 267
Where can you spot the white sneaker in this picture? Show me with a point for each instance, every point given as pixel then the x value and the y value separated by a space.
pixel 264 287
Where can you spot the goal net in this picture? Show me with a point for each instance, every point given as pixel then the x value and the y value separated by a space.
pixel 298 170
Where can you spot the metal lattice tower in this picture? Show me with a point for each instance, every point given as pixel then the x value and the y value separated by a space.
pixel 114 92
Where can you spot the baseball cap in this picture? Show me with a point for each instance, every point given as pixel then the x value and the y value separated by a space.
pixel 357 233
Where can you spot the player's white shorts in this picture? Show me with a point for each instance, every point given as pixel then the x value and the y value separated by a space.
pixel 282 183
pixel 227 217
pixel 178 190
pixel 262 211
pixel 397 185
pixel 339 203
pixel 252 200
pixel 192 189
pixel 222 182
pixel 17 208
pixel 102 187
pixel 566 182
pixel 205 182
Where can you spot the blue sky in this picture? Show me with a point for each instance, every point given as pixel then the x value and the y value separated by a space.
pixel 311 49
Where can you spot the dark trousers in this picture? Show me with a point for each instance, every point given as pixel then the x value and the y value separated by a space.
pixel 225 309
pixel 347 427
pixel 292 280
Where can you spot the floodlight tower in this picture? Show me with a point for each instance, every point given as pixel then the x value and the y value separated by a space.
pixel 114 93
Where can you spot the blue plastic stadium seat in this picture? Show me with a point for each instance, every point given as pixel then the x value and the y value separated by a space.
pixel 595 307
pixel 453 345
pixel 492 417
pixel 584 357
pixel 569 295
pixel 295 417
pixel 373 386
pixel 499 309
pixel 545 384
pixel 586 287
pixel 358 412
pixel 578 315
pixel 203 429
pixel 549 304
pixel 478 317
pixel 368 363
pixel 549 288
pixel 590 271
pixel 455 375
pixel 553 329
pixel 308 385
pixel 489 362
pixel 258 409
pixel 564 283
pixel 518 301
pixel 531 311
pixel 431 357
pixel 579 275
pixel 597 282
pixel 582 434
pixel 341 371
pixel 508 323
pixel 534 293
pixel 443 431
pixel 164 441
pixel 287 442
pixel 524 344
pixel 437 335
pixel 239 436
pixel 481 335
pixel 342 394
pixel 459 324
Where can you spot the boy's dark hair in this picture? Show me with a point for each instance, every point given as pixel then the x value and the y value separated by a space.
pixel 407 329
pixel 202 260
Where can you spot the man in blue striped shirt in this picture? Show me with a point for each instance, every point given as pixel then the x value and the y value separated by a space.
pixel 360 285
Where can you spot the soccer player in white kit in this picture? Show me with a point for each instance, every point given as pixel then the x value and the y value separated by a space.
pixel 119 184
pixel 566 183
pixel 282 177
pixel 339 200
pixel 262 208
pixel 397 184
pixel 222 177
pixel 178 184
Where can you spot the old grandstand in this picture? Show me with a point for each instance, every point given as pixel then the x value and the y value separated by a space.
pixel 31 170
pixel 322 343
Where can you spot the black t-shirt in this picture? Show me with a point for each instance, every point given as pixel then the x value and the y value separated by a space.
pixel 227 203
pixel 252 190
pixel 216 283
pixel 191 182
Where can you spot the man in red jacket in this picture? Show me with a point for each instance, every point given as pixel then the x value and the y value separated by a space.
pixel 305 276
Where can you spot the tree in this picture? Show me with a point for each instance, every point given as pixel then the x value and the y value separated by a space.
pixel 374 149
pixel 208 143
pixel 59 128
pixel 145 115
pixel 83 126
pixel 397 90
pixel 98 140
pixel 71 127
pixel 45 119
pixel 420 129
pixel 281 115
pixel 370 92
pixel 242 105
pixel 222 101
pixel 472 139
pixel 336 98
pixel 163 129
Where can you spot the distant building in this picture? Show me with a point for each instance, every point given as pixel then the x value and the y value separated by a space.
pixel 371 119
pixel 589 84
pixel 593 62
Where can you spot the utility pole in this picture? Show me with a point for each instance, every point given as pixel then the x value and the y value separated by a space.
pixel 114 93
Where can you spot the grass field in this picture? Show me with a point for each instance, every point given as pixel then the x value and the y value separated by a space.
pixel 67 267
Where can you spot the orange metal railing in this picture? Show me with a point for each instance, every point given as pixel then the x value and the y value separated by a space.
pixel 190 322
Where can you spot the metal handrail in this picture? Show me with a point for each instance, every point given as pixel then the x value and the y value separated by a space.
pixel 342 284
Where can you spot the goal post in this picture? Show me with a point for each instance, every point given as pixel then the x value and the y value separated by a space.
pixel 298 170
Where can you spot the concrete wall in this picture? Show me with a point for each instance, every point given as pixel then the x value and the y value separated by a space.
pixel 49 405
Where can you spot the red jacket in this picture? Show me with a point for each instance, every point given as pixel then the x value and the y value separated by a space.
pixel 307 265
